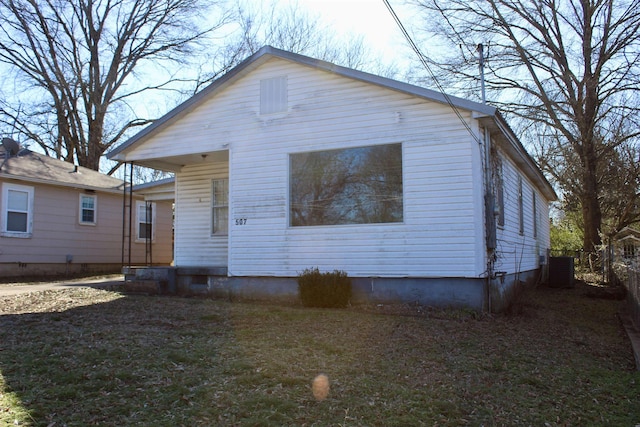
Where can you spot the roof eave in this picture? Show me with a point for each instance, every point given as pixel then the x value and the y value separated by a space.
pixel 516 150
pixel 33 180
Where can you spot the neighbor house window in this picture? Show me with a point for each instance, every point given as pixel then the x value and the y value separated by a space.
pixel 17 212
pixel 629 250
pixel 273 95
pixel 220 206
pixel 88 204
pixel 146 214
pixel 349 186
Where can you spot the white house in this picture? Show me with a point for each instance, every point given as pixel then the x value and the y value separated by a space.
pixel 288 162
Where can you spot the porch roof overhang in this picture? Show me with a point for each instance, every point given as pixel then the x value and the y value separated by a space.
pixel 163 189
pixel 176 163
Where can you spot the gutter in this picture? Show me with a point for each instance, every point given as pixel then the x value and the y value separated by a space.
pixel 113 190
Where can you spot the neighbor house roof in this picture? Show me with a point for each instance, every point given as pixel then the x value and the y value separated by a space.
pixel 29 166
pixel 487 114
pixel 628 233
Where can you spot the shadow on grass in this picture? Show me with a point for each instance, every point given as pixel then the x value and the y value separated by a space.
pixel 130 360
pixel 93 357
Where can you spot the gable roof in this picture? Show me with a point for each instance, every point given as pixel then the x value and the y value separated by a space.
pixel 628 233
pixel 488 115
pixel 267 52
pixel 32 167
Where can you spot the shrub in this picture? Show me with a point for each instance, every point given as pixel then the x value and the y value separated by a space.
pixel 328 290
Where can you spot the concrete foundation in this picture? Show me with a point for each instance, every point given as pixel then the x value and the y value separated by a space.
pixel 44 270
pixel 474 293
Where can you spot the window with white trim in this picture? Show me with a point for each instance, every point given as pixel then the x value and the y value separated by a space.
pixel 145 220
pixel 361 185
pixel 220 206
pixel 17 212
pixel 88 209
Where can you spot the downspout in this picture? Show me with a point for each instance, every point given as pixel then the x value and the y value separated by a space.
pixel 490 218
pixel 149 234
pixel 130 209
pixel 127 200
pixel 124 215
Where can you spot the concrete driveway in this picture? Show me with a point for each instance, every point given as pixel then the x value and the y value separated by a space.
pixel 9 289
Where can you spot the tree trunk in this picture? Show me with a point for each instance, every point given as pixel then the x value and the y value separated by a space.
pixel 591 213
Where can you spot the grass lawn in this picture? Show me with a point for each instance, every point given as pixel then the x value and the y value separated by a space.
pixel 82 357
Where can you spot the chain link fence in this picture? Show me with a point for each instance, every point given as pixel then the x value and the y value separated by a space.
pixel 612 268
pixel 632 283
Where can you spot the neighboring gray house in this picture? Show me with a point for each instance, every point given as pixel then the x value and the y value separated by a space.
pixel 61 219
pixel 288 162
pixel 627 245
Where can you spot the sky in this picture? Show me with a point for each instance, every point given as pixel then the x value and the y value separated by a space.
pixel 370 18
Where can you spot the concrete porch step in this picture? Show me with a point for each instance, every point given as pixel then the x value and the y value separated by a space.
pixel 142 287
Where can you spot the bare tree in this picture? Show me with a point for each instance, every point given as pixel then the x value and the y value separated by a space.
pixel 570 66
pixel 77 66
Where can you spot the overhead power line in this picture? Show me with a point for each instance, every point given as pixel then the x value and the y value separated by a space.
pixel 424 62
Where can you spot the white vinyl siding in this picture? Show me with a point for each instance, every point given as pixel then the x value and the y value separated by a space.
pixel 442 230
pixel 17 210
pixel 194 243
pixel 523 239
pixel 439 236
pixel 88 209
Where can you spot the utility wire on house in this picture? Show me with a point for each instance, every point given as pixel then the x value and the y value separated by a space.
pixel 424 62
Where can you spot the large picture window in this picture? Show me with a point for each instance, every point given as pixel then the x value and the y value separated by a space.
pixel 349 186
